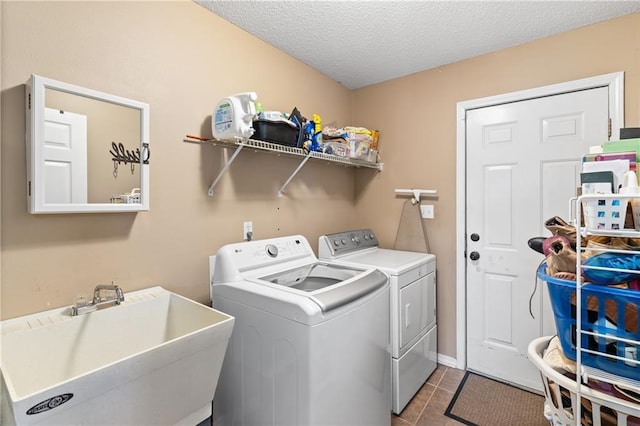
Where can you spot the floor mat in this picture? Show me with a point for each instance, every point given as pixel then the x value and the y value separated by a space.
pixel 481 401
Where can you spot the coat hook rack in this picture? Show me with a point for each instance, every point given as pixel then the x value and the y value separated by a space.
pixel 121 155
pixel 417 193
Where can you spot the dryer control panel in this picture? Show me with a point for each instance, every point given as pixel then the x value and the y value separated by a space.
pixel 333 245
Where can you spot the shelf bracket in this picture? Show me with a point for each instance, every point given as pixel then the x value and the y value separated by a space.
pixel 224 169
pixel 295 172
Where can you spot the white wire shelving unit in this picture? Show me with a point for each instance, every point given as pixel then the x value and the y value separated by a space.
pixel 238 144
pixel 586 373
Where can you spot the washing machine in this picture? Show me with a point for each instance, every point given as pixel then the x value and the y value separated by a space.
pixel 412 275
pixel 311 340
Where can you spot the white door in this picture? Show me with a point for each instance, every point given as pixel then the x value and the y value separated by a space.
pixel 523 165
pixel 65 157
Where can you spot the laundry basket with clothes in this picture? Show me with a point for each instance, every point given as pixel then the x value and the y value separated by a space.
pixel 609 299
pixel 609 404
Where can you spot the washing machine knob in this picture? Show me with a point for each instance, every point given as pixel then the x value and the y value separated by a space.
pixel 344 242
pixel 272 250
pixel 356 240
pixel 366 237
pixel 336 243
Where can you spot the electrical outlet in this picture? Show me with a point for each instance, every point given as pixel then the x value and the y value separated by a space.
pixel 247 231
pixel 426 211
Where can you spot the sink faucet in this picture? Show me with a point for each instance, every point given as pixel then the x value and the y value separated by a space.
pixel 83 305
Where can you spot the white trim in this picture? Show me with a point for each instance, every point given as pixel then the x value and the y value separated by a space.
pixel 615 82
pixel 447 361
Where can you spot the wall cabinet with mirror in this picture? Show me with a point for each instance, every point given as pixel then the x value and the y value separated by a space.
pixel 87 151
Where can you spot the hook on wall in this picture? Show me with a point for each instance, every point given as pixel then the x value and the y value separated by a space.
pixel 417 193
pixel 121 155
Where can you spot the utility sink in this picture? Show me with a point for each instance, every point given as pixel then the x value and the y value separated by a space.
pixel 154 359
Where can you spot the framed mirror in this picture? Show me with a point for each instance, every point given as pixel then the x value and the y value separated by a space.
pixel 87 151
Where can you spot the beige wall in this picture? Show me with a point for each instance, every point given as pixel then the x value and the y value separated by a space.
pixel 416 119
pixel 181 59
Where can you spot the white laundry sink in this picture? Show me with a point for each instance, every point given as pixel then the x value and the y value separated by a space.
pixel 154 359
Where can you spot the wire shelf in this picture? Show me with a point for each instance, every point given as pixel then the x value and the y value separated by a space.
pixel 263 146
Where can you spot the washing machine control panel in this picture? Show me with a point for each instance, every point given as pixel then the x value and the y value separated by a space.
pixel 259 253
pixel 272 250
pixel 281 249
pixel 345 242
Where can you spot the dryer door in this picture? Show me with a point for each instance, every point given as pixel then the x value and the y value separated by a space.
pixel 417 309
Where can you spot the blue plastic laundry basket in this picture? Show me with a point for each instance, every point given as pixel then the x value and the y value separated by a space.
pixel 624 323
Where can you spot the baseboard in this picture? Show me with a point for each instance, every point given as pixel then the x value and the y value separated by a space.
pixel 447 360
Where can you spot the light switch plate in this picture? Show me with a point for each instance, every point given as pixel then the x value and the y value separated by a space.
pixel 426 211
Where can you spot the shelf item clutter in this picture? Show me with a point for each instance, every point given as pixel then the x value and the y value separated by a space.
pixel 597 321
pixel 611 168
pixel 596 305
pixel 239 122
pixel 241 116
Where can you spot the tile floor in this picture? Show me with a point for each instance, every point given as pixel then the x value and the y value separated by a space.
pixel 431 401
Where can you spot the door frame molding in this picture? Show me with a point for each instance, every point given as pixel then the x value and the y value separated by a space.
pixel 615 83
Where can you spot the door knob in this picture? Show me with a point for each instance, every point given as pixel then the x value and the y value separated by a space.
pixel 474 255
pixel 475 237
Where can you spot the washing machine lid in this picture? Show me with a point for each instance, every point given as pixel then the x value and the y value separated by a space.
pixel 328 285
pixel 312 277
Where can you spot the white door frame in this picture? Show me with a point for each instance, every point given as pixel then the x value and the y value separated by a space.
pixel 615 82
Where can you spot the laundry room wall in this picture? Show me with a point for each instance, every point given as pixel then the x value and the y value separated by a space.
pixel 180 59
pixel 416 116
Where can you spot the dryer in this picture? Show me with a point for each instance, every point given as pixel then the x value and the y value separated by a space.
pixel 412 278
pixel 311 339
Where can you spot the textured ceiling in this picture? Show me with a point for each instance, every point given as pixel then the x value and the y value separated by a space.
pixel 360 43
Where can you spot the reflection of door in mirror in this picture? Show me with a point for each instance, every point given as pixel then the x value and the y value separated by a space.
pixel 106 123
pixel 63 177
pixel 65 157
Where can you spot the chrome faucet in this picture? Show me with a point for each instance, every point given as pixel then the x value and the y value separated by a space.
pixel 83 305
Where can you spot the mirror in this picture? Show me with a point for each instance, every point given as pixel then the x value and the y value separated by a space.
pixel 87 151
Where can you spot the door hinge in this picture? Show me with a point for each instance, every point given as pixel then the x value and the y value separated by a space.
pixel 29 101
pixel 609 130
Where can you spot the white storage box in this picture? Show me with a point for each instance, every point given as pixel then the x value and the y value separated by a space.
pixel 605 213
